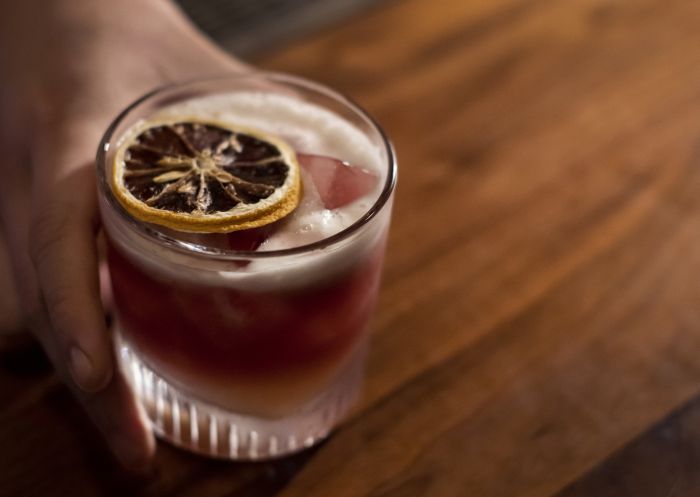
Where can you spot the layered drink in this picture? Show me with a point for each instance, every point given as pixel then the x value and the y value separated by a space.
pixel 246 220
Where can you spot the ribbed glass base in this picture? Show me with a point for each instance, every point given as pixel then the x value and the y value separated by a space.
pixel 209 430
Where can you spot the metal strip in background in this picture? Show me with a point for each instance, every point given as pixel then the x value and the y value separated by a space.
pixel 247 27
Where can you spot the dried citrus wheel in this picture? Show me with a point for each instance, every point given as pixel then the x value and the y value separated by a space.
pixel 205 176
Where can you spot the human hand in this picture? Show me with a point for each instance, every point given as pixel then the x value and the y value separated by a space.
pixel 67 69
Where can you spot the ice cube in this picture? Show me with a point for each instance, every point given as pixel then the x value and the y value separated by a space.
pixel 311 200
pixel 338 183
pixel 306 224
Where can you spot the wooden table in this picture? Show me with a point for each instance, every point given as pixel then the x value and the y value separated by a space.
pixel 539 324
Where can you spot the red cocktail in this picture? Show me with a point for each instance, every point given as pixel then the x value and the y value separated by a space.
pixel 249 344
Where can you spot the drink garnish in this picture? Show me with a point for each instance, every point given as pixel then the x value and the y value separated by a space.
pixel 205 176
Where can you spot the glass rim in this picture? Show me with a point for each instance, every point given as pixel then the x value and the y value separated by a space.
pixel 230 254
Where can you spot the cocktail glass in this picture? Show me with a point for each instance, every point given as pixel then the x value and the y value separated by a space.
pixel 244 354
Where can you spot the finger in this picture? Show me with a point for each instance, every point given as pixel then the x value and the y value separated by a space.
pixel 114 410
pixel 122 422
pixel 62 247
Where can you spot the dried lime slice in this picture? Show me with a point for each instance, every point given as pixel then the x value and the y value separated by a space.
pixel 205 176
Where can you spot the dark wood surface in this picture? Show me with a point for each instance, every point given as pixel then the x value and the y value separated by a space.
pixel 539 325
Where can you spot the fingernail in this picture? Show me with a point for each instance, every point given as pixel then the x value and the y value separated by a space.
pixel 81 369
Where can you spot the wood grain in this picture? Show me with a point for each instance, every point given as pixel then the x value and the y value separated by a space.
pixel 671 449
pixel 539 311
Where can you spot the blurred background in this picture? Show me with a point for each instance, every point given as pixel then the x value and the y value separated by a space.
pixel 248 28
